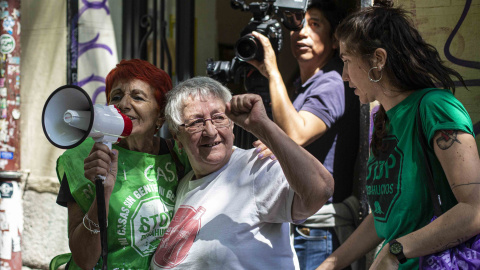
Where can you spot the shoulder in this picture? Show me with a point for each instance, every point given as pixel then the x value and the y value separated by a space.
pixel 440 100
pixel 327 81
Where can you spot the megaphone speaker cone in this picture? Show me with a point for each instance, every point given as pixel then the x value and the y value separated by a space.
pixel 57 131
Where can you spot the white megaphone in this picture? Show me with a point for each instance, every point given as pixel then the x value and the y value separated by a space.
pixel 69 117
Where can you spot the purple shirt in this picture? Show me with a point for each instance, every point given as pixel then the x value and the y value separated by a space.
pixel 325 96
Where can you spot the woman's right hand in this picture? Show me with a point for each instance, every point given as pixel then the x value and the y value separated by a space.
pixel 102 161
pixel 268 66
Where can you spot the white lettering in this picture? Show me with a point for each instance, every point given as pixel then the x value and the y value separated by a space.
pixel 129 201
pixel 146 173
pixel 88 192
pixel 170 171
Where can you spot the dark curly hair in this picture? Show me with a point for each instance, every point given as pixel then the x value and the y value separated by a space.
pixel 412 64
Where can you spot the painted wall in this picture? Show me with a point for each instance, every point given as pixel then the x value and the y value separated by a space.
pixel 452 26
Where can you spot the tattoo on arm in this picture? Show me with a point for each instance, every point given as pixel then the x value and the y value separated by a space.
pixel 447 138
pixel 467 184
pixel 455 243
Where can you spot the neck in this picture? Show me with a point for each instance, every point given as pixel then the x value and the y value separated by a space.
pixel 390 98
pixel 150 145
pixel 310 68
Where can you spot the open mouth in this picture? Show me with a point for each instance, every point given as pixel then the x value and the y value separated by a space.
pixel 211 144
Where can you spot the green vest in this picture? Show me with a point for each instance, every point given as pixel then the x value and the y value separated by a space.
pixel 396 180
pixel 141 206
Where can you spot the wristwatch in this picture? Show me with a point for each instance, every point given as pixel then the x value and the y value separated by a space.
pixel 397 249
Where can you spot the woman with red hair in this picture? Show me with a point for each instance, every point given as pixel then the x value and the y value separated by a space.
pixel 141 176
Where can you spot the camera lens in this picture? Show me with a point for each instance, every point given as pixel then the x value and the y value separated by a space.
pixel 247 48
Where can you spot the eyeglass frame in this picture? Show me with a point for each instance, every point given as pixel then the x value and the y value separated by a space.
pixel 205 123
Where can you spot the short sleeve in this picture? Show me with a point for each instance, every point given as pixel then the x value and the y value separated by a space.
pixel 273 195
pixel 64 195
pixel 325 98
pixel 440 110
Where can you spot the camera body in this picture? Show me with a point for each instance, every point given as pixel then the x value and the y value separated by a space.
pixel 247 48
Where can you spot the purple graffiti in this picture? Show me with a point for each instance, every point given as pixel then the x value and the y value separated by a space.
pixel 85 46
pixel 97 92
pixel 94 5
pixel 94 78
pixel 91 78
pixel 446 50
pixel 78 48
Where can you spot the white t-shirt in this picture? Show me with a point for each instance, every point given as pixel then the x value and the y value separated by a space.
pixel 235 218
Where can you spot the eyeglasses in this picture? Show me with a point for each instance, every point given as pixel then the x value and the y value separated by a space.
pixel 195 125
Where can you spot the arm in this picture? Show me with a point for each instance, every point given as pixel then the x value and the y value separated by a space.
pixel 458 155
pixel 311 182
pixel 362 240
pixel 302 127
pixel 85 245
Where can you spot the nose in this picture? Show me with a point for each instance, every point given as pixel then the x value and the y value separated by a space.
pixel 124 104
pixel 304 31
pixel 209 129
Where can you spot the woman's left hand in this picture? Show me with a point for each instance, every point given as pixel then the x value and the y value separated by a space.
pixel 263 151
pixel 385 260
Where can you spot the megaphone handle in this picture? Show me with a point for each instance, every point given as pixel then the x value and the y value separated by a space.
pixel 102 217
pixel 102 212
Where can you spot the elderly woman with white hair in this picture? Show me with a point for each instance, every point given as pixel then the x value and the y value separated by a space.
pixel 233 210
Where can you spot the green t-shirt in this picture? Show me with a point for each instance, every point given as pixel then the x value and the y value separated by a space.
pixel 396 179
pixel 141 206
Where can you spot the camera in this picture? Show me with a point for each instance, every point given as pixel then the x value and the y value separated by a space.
pixel 291 14
pixel 248 47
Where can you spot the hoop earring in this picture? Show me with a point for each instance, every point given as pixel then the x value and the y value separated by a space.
pixel 370 78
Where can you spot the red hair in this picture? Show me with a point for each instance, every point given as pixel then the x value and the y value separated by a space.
pixel 128 70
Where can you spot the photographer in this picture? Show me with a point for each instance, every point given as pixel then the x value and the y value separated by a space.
pixel 324 119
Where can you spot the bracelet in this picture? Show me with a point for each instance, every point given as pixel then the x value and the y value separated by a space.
pixel 93 231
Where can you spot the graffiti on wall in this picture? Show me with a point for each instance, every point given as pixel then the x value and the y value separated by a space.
pixel 459 61
pixel 92 47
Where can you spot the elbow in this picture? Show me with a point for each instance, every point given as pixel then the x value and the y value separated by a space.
pixel 329 187
pixel 318 196
pixel 299 139
pixel 324 192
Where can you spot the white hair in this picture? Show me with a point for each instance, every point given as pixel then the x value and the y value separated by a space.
pixel 197 87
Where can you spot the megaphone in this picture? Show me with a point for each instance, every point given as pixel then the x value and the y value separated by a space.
pixel 69 117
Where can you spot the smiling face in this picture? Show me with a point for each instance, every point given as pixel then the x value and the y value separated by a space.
pixel 314 42
pixel 136 99
pixel 355 72
pixel 210 149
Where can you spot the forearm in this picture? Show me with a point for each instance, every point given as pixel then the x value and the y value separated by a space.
pixel 85 244
pixel 312 183
pixel 303 127
pixel 363 240
pixel 284 113
pixel 452 228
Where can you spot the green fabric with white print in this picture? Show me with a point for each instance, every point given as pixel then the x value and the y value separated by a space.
pixel 141 205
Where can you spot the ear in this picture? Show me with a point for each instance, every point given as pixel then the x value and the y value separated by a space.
pixel 380 58
pixel 175 137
